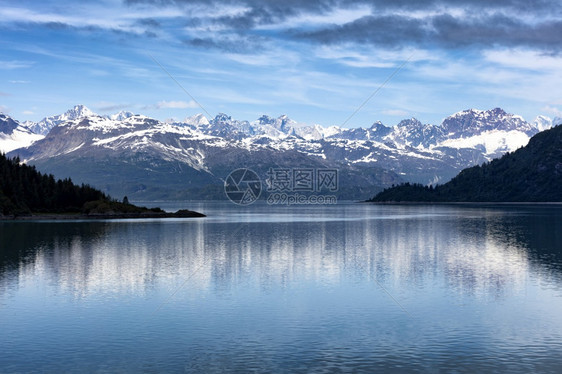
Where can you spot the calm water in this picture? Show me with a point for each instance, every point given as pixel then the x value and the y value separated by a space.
pixel 342 289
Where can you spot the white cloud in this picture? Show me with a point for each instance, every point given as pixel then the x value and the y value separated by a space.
pixel 176 104
pixel 395 112
pixel 28 112
pixel 549 109
pixel 351 55
pixel 524 59
pixel 15 64
pixel 534 78
pixel 122 18
pixel 338 16
pixel 278 57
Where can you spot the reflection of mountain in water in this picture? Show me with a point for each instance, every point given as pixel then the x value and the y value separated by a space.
pixel 470 250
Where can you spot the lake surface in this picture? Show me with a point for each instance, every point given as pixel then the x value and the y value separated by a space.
pixel 352 288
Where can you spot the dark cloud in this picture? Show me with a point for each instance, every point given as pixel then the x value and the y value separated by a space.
pixel 282 8
pixel 497 30
pixel 249 19
pixel 57 26
pixel 442 31
pixel 486 23
pixel 149 22
pixel 386 30
pixel 150 34
pixel 240 45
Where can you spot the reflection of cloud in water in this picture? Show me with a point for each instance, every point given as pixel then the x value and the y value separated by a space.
pixel 476 255
pixel 482 252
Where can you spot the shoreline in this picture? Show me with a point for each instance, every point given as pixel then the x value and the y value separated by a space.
pixel 103 216
pixel 462 202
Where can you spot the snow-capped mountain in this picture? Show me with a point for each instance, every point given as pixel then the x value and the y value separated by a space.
pixel 140 156
pixel 121 116
pixel 475 122
pixel 14 135
pixel 542 123
pixel 197 120
pixel 46 124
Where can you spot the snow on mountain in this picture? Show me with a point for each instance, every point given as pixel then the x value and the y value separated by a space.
pixel 422 153
pixel 412 132
pixel 376 132
pixel 490 133
pixel 282 127
pixel 46 124
pixel 275 127
pixel 122 115
pixel 197 120
pixel 492 143
pixel 14 135
pixel 473 122
pixel 542 123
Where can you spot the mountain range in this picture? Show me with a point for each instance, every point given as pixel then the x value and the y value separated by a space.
pixel 134 155
pixel 530 174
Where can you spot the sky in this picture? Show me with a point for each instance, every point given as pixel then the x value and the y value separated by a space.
pixel 328 62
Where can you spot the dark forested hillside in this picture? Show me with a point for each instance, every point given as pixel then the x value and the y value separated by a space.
pixel 532 173
pixel 23 189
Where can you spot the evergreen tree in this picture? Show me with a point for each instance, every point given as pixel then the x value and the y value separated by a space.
pixel 23 190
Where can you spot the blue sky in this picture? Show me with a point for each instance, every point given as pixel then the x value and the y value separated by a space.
pixel 316 61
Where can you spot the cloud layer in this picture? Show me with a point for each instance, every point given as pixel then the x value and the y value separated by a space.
pixel 423 23
pixel 315 60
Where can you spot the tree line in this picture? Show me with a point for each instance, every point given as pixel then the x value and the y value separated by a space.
pixel 24 190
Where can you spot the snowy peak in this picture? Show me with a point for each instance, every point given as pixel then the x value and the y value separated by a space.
pixel 411 123
pixel 79 111
pixel 411 132
pixel 265 120
pixel 222 118
pixel 46 124
pixel 474 122
pixel 285 124
pixel 14 135
pixel 7 124
pixel 542 123
pixel 122 115
pixel 197 120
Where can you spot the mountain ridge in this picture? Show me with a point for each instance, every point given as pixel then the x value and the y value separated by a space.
pixel 14 135
pixel 202 151
pixel 531 174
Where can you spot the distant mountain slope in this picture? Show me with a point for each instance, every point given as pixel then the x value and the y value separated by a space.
pixel 532 173
pixel 14 135
pixel 46 124
pixel 146 158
